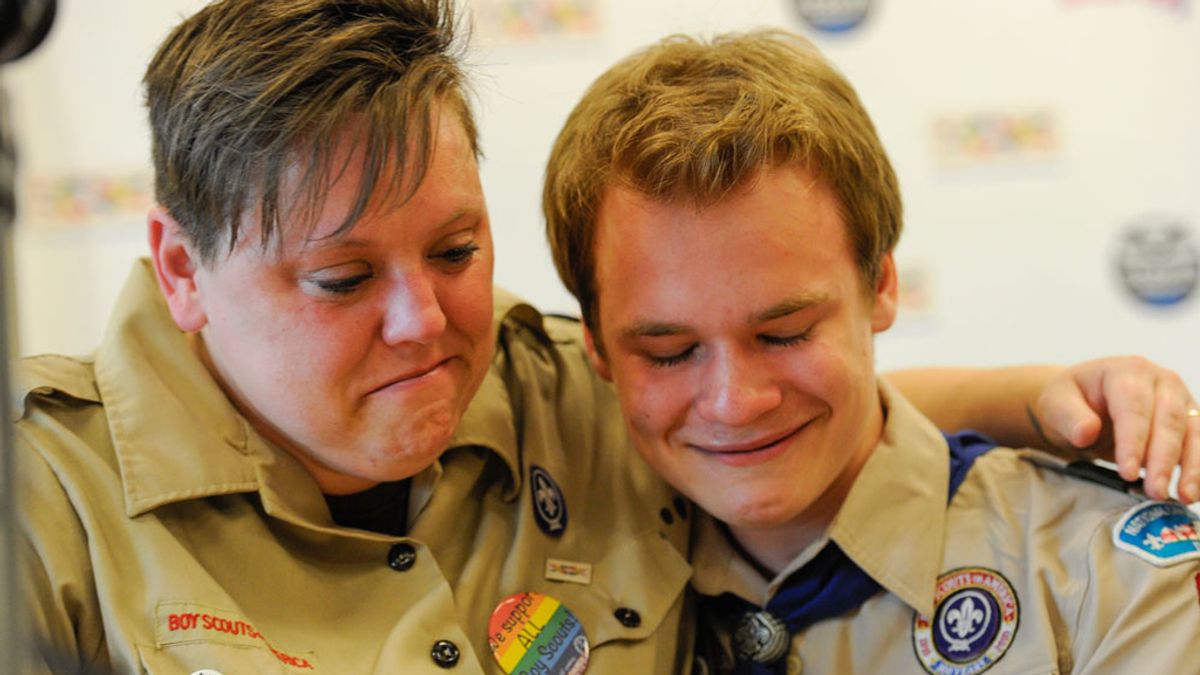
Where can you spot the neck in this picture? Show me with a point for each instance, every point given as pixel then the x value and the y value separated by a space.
pixel 773 547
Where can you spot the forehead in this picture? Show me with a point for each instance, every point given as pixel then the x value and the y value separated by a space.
pixel 321 204
pixel 778 214
pixel 782 235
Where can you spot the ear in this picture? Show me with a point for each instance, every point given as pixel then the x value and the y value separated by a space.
pixel 176 266
pixel 887 288
pixel 599 363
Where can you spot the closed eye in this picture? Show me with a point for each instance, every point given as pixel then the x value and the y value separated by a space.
pixel 340 285
pixel 784 340
pixel 671 359
pixel 458 255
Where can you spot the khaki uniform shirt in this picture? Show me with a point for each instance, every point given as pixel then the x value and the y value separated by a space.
pixel 164 535
pixel 1038 540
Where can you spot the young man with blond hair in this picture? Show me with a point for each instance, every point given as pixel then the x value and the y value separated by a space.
pixel 726 215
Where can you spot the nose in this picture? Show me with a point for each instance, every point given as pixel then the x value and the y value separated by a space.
pixel 736 389
pixel 413 312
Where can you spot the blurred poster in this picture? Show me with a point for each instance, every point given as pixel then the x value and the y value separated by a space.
pixel 1178 5
pixel 1158 260
pixel 915 299
pixel 833 16
pixel 85 198
pixel 994 136
pixel 530 21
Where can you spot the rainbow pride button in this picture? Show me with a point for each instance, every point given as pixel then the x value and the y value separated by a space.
pixel 534 633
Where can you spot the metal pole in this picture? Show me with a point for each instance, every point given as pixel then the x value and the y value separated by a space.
pixel 23 26
pixel 14 647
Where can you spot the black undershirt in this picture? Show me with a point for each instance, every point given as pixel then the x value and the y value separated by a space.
pixel 382 509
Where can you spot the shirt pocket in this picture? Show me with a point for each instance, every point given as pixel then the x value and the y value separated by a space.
pixel 215 658
pixel 637 590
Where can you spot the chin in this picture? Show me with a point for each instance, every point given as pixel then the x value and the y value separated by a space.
pixel 748 514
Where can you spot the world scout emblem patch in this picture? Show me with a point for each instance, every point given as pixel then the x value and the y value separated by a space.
pixel 974 622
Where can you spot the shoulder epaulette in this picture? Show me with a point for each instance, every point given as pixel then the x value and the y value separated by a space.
pixel 1084 469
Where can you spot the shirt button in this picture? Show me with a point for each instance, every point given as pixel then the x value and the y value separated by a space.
pixel 402 557
pixel 628 617
pixel 445 653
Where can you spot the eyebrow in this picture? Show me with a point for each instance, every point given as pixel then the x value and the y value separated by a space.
pixel 789 306
pixel 779 310
pixel 324 243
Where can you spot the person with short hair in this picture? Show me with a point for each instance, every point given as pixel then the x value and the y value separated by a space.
pixel 314 439
pixel 725 213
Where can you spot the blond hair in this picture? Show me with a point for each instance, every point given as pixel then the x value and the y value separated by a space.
pixel 687 120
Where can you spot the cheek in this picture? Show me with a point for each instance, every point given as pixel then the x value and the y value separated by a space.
pixel 316 348
pixel 467 303
pixel 655 401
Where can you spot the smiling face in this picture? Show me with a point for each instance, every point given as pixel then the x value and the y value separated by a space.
pixel 357 352
pixel 740 339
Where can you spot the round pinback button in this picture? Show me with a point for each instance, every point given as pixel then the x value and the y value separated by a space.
pixel 532 632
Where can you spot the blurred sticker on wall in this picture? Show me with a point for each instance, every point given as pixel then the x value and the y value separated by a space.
pixel 531 21
pixel 833 16
pixel 86 198
pixel 915 296
pixel 984 137
pixel 1178 5
pixel 1158 260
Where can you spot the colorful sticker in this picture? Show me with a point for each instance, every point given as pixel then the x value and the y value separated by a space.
pixel 535 633
pixel 569 571
pixel 549 505
pixel 1161 533
pixel 975 618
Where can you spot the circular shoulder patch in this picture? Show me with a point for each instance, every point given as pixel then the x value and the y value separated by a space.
pixel 549 505
pixel 535 633
pixel 975 618
pixel 1161 533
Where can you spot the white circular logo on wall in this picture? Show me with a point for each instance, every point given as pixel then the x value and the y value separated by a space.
pixel 833 16
pixel 1158 261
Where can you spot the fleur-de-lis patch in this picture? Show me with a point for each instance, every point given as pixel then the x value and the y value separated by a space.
pixel 549 505
pixel 974 622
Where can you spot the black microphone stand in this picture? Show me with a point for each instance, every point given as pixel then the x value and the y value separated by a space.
pixel 23 25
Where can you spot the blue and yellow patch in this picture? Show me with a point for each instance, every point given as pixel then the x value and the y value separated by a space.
pixel 1161 533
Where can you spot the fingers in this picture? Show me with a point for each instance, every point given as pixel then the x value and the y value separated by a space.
pixel 1130 398
pixel 1189 462
pixel 1065 418
pixel 1137 406
pixel 1167 436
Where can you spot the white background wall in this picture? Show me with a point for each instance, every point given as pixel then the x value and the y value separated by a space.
pixel 1017 256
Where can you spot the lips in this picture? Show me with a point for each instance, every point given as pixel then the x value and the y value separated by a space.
pixel 412 377
pixel 750 451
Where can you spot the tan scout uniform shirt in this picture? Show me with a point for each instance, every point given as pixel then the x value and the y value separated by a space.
pixel 1080 605
pixel 164 535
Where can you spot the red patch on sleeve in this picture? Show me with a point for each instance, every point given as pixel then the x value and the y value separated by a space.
pixel 1198 585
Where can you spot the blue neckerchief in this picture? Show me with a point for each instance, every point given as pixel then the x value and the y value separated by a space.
pixel 831 584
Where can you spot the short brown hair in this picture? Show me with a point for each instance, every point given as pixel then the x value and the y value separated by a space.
pixel 687 120
pixel 244 89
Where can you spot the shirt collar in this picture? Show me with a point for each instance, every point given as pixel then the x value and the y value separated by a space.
pixel 175 434
pixel 492 418
pixel 892 523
